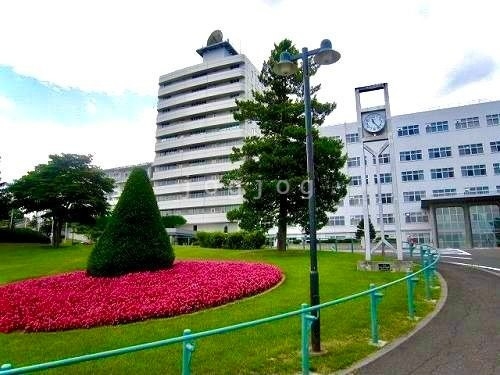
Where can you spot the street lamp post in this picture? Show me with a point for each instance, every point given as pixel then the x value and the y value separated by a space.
pixel 325 55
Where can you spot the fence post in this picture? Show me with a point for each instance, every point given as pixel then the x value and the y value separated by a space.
pixel 187 351
pixel 422 253
pixel 352 245
pixel 374 301
pixel 410 284
pixel 306 320
pixel 427 279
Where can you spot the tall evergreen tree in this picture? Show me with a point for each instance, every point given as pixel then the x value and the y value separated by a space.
pixel 273 172
pixel 360 229
pixel 135 238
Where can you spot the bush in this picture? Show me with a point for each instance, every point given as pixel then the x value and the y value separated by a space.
pixel 22 235
pixel 241 240
pixel 135 238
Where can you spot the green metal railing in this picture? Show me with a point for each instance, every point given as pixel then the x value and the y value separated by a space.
pixel 429 260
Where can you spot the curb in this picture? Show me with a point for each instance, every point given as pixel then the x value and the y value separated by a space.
pixel 394 344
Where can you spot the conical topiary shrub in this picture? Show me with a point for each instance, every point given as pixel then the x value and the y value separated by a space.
pixel 135 238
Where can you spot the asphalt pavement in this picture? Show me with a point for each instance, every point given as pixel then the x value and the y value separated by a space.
pixel 462 339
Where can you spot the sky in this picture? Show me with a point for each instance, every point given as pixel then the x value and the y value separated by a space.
pixel 82 76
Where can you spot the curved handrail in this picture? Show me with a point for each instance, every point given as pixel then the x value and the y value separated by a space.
pixel 429 264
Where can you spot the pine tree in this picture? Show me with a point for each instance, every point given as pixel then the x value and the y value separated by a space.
pixel 360 232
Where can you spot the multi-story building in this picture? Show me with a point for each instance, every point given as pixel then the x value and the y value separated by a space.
pixel 120 175
pixel 196 132
pixel 448 177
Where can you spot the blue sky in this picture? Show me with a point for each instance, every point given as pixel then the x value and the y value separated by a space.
pixel 35 100
pixel 82 76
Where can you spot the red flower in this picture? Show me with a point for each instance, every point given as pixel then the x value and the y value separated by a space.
pixel 75 300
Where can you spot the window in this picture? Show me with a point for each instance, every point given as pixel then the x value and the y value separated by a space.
pixel 437 127
pixel 498 188
pixel 353 162
pixel 496 168
pixel 444 193
pixel 416 217
pixel 442 173
pixel 355 219
pixel 422 238
pixel 492 120
pixel 473 190
pixel 408 130
pixel 382 159
pixel 495 146
pixel 472 149
pixel 335 137
pixel 413 196
pixel 355 200
pixel 410 155
pixel 386 198
pixel 385 178
pixel 467 123
pixel 473 170
pixel 412 175
pixel 355 181
pixel 387 219
pixel 336 220
pixel 439 152
pixel 352 138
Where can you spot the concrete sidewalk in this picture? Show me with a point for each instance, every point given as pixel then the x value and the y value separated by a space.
pixel 463 339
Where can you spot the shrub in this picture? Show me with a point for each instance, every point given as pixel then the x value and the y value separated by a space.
pixel 235 240
pixel 22 235
pixel 135 238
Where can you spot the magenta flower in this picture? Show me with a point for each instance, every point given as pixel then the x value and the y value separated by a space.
pixel 75 300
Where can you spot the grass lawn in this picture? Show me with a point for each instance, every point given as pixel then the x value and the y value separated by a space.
pixel 271 348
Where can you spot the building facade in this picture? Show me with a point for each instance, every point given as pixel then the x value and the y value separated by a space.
pixel 120 175
pixel 196 132
pixel 447 175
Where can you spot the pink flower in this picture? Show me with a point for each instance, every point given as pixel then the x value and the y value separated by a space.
pixel 75 300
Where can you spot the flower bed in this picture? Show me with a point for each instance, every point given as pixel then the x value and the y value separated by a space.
pixel 75 300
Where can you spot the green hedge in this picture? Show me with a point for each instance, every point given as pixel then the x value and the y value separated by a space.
pixel 22 235
pixel 241 240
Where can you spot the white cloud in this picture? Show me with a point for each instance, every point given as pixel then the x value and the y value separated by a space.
pixel 6 104
pixel 24 145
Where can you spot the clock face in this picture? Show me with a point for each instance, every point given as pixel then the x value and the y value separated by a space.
pixel 374 122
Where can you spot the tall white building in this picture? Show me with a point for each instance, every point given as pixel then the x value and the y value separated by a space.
pixel 120 175
pixel 196 132
pixel 448 177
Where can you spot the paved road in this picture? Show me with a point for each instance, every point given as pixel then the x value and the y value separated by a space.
pixel 463 339
pixel 489 259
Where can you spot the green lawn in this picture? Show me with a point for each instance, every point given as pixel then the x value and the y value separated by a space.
pixel 271 348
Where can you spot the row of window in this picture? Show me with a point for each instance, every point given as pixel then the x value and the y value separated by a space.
pixel 198 147
pixel 445 152
pixel 200 210
pixel 196 117
pixel 198 194
pixel 436 127
pixel 356 160
pixel 199 88
pixel 355 219
pixel 192 163
pixel 200 74
pixel 199 102
pixel 186 180
pixel 225 128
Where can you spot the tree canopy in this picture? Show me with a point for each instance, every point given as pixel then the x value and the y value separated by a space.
pixel 67 189
pixel 4 200
pixel 135 238
pixel 273 172
pixel 173 221
pixel 360 229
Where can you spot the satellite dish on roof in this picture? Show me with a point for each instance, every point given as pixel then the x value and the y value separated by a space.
pixel 214 38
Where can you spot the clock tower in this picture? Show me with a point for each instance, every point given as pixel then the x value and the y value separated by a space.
pixel 377 138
